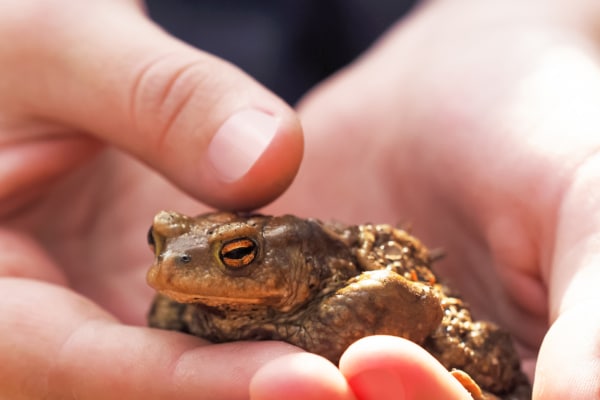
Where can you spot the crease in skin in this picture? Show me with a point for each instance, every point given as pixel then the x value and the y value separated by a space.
pixel 516 260
pixel 28 167
pixel 139 76
pixel 21 257
pixel 156 86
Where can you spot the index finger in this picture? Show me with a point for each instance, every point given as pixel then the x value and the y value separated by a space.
pixel 57 345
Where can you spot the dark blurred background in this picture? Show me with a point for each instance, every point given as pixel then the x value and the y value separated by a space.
pixel 288 45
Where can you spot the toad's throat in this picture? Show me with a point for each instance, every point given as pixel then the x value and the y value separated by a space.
pixel 208 300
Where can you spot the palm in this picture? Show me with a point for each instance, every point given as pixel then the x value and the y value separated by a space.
pixel 94 228
pixel 441 144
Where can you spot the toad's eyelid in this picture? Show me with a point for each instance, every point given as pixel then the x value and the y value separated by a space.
pixel 237 244
pixel 233 231
pixel 150 237
pixel 155 241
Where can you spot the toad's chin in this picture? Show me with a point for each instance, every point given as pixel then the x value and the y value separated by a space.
pixel 214 301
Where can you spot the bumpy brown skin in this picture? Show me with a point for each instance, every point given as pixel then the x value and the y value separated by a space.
pixel 225 277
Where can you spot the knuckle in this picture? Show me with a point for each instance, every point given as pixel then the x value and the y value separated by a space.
pixel 166 92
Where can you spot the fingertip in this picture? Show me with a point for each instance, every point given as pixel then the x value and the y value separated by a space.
pixel 214 131
pixel 240 142
pixel 386 367
pixel 252 159
pixel 299 376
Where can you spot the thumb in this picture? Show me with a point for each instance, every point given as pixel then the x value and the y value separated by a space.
pixel 568 364
pixel 71 348
pixel 387 367
pixel 197 119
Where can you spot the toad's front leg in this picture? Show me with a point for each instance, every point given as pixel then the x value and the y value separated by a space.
pixel 377 302
pixel 168 314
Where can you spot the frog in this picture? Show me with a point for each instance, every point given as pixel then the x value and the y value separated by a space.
pixel 227 276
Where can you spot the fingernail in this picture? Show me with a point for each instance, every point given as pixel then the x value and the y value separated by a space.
pixel 240 142
pixel 377 384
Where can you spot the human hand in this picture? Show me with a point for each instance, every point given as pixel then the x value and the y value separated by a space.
pixel 476 124
pixel 77 79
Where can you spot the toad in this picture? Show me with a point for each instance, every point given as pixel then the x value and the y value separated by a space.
pixel 226 276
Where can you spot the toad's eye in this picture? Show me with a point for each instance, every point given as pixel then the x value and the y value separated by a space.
pixel 238 253
pixel 150 239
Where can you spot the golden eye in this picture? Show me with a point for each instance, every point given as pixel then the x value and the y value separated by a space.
pixel 155 242
pixel 150 239
pixel 238 253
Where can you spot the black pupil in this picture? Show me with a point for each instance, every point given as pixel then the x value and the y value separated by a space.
pixel 239 253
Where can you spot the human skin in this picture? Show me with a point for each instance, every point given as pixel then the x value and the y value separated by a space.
pixel 77 76
pixel 464 121
pixel 477 125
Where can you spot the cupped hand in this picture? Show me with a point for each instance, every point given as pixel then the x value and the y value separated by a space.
pixel 476 124
pixel 99 110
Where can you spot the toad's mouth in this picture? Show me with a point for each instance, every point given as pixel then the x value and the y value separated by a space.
pixel 217 300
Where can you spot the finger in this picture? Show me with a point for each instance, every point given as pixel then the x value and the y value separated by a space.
pixel 386 367
pixel 299 376
pixel 57 345
pixel 568 365
pixel 108 70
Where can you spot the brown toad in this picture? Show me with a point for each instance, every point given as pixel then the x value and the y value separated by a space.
pixel 225 276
